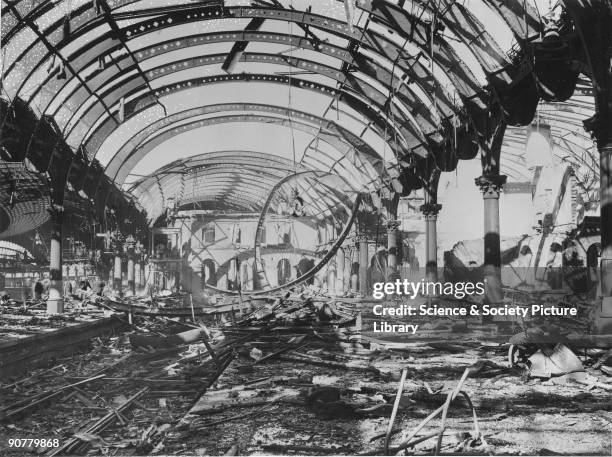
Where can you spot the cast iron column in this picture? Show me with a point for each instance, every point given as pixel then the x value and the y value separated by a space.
pixel 331 276
pixel 363 264
pixel 354 273
pixel 392 243
pixel 138 274
pixel 117 274
pixel 605 165
pixel 340 266
pixel 430 212
pixel 491 187
pixel 55 302
pixel 131 275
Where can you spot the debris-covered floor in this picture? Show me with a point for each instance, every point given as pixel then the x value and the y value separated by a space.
pixel 298 376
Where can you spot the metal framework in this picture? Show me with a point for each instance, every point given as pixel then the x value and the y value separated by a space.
pixel 407 85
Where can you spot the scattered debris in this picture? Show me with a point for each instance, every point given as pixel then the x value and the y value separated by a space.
pixel 296 373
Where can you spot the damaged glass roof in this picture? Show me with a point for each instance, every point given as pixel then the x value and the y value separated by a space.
pixel 358 91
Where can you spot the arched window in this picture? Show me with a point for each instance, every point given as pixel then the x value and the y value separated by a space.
pixel 209 273
pixel 593 253
pixel 283 270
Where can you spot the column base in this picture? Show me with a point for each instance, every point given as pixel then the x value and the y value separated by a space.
pixel 354 289
pixel 55 306
pixel 55 302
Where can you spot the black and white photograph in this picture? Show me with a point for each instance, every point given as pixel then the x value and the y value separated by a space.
pixel 305 227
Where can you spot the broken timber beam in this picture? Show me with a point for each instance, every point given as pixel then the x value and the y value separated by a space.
pixel 71 445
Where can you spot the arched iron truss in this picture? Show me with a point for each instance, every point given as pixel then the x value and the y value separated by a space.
pixel 239 180
pixel 420 76
pixel 83 21
pixel 143 142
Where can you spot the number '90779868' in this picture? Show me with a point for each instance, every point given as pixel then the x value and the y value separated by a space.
pixel 33 442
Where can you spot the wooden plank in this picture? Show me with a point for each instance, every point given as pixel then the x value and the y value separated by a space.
pixel 190 336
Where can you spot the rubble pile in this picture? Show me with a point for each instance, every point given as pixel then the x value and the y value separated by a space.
pixel 298 374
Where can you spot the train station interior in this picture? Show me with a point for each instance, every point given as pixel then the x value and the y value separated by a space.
pixel 201 202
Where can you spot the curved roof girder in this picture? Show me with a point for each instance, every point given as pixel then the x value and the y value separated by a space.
pixel 142 150
pixel 475 27
pixel 324 125
pixel 215 174
pixel 358 103
pixel 192 166
pixel 425 122
pixel 359 92
pixel 219 182
pixel 358 64
pixel 96 51
pixel 521 17
pixel 85 18
pixel 324 20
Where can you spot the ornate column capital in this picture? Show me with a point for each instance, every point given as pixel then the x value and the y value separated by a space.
pixel 129 245
pixel 361 238
pixel 491 186
pixel 393 226
pixel 430 210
